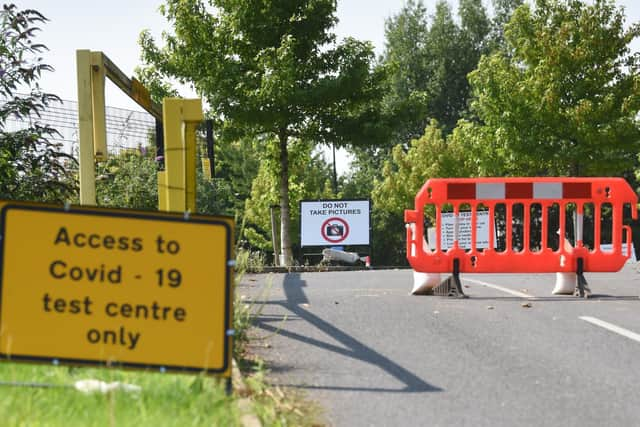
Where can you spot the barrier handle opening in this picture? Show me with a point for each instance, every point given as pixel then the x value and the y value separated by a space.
pixel 628 235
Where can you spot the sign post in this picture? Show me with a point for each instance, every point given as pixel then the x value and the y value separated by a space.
pixel 116 287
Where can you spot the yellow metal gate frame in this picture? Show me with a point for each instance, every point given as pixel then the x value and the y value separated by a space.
pixel 180 117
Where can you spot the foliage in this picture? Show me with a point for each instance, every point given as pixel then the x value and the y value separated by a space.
pixel 364 169
pixel 236 166
pixel 128 180
pixel 478 159
pixel 152 79
pixel 251 261
pixel 32 167
pixel 273 69
pixel 565 99
pixel 404 174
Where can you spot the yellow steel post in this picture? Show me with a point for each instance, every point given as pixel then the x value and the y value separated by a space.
pixel 98 106
pixel 85 129
pixel 190 165
pixel 162 191
pixel 178 117
pixel 174 183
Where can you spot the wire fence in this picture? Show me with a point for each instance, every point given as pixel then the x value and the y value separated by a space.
pixel 126 129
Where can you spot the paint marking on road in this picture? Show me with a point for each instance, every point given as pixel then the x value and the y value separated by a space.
pixel 613 328
pixel 500 288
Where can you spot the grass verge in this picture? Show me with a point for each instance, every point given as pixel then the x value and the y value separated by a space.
pixel 164 399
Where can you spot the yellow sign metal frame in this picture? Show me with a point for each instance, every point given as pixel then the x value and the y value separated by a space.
pixel 69 271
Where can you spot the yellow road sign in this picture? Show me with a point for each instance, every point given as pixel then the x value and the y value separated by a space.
pixel 116 287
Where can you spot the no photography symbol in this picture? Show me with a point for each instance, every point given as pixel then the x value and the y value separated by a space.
pixel 334 230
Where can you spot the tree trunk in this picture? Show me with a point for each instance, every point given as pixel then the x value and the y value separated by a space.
pixel 286 254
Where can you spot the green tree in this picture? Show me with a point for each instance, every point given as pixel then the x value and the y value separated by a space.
pixel 270 68
pixel 407 62
pixel 455 52
pixel 445 101
pixel 309 178
pixel 565 100
pixel 473 42
pixel 32 166
pixel 428 61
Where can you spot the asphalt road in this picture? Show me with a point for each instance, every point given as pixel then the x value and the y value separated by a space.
pixel 372 355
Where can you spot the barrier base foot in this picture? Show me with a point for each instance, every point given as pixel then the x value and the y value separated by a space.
pixel 582 288
pixel 448 288
pixel 451 286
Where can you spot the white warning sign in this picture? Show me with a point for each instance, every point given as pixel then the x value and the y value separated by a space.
pixel 334 222
pixel 447 230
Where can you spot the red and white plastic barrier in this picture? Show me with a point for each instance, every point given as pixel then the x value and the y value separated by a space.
pixel 464 195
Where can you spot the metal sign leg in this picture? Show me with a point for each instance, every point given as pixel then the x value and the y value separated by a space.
pixel 228 388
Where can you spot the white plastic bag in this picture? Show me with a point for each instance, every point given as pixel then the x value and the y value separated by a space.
pixel 97 386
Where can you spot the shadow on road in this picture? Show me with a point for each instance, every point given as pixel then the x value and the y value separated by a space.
pixel 293 289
